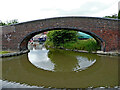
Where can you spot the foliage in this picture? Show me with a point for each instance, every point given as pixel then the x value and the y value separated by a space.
pixel 59 37
pixel 69 40
pixel 8 22
pixel 2 23
pixel 119 14
pixel 88 45
pixel 113 16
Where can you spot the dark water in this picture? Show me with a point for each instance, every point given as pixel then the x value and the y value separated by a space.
pixel 61 69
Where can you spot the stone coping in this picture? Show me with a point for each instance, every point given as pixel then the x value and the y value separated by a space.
pixel 14 54
pixel 99 52
pixel 44 19
pixel 112 53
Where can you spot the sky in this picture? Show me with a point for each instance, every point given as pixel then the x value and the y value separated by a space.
pixel 28 10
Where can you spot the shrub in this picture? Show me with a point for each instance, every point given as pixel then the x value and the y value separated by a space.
pixel 69 40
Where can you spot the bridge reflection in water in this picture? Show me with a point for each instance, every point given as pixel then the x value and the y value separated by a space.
pixel 39 58
pixel 61 69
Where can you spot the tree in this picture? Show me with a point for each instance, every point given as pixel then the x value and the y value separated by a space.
pixel 2 23
pixel 119 14
pixel 60 37
pixel 113 16
pixel 8 22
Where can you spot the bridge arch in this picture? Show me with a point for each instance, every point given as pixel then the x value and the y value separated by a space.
pixel 105 31
pixel 24 42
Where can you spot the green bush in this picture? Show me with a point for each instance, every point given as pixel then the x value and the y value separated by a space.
pixel 69 40
pixel 60 37
pixel 8 22
pixel 119 14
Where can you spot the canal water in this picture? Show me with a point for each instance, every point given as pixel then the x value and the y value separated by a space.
pixel 57 68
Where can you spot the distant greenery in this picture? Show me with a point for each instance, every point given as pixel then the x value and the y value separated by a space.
pixel 115 16
pixel 69 40
pixel 8 22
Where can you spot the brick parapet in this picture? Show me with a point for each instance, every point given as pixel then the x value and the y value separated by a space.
pixel 106 29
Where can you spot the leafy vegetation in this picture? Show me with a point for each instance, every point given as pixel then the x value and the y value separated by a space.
pixel 115 16
pixel 119 14
pixel 4 52
pixel 88 45
pixel 60 37
pixel 69 40
pixel 8 22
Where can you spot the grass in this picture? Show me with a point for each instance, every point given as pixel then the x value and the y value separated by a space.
pixel 88 45
pixel 4 52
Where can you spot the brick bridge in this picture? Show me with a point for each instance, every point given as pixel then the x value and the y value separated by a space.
pixel 105 31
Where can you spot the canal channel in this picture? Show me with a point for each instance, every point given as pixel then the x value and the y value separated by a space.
pixel 56 68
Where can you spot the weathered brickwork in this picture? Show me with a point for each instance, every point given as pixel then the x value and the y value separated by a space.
pixel 105 31
pixel 119 35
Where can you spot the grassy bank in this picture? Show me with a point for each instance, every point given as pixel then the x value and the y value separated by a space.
pixel 88 45
pixel 4 52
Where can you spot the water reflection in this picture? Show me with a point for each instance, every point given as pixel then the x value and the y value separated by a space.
pixel 58 61
pixel 19 69
pixel 36 46
pixel 40 59
pixel 83 63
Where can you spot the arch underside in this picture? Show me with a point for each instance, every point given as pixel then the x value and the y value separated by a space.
pixel 24 42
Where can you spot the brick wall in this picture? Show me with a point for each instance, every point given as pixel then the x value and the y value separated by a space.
pixel 104 30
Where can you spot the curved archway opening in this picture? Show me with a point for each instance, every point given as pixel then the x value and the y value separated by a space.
pixel 26 39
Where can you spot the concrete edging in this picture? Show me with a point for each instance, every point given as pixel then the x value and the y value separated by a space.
pixel 99 52
pixel 93 52
pixel 14 54
pixel 26 51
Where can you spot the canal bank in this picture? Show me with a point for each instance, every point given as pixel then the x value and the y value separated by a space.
pixel 14 54
pixel 112 53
